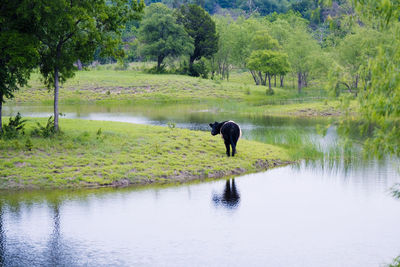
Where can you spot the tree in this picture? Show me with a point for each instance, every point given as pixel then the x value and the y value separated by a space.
pixel 245 30
pixel 262 40
pixel 199 25
pixel 352 54
pixel 72 30
pixel 265 64
pixel 283 67
pixel 161 36
pixel 222 60
pixel 18 50
pixel 379 97
pixel 302 49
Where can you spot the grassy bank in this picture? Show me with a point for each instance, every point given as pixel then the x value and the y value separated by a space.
pixel 122 154
pixel 240 93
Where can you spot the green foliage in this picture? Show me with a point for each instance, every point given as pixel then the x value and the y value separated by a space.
pixel 122 64
pixel 387 10
pixel 73 30
pixel 45 131
pixel 380 102
pixel 14 128
pixel 161 36
pixel 396 261
pixel 28 144
pixel 18 54
pixel 380 96
pixel 262 40
pixel 303 51
pixel 352 56
pixel 201 28
pixel 199 69
pixel 221 62
pixel 267 63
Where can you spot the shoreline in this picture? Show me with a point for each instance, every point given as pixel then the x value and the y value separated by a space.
pixel 125 155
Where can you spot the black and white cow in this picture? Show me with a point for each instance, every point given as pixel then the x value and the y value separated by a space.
pixel 230 132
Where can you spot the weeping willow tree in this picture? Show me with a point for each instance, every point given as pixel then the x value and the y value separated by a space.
pixel 379 97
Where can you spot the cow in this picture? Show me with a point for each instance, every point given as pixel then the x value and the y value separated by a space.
pixel 230 131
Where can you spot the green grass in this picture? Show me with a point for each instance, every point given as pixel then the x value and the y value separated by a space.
pixel 124 154
pixel 132 86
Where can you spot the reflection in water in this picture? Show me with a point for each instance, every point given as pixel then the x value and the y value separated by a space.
pixel 55 239
pixel 230 198
pixel 396 191
pixel 178 226
pixel 2 237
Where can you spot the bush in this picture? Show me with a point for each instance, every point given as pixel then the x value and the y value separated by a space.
pixel 155 70
pixel 14 128
pixel 46 131
pixel 269 92
pixel 199 69
pixel 122 64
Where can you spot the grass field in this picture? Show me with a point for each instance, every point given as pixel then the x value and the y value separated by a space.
pixel 238 94
pixel 122 154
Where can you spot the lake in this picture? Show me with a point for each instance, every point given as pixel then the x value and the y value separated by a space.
pixel 329 212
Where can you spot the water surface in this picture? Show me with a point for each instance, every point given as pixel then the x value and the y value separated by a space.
pixel 317 213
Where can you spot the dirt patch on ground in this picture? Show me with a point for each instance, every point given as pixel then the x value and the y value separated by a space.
pixel 119 89
pixel 308 112
pixel 268 164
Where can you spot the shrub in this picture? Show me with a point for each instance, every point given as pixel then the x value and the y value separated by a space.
pixel 28 144
pixel 199 69
pixel 46 131
pixel 14 128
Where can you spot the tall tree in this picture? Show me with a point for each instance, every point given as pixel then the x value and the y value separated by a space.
pixel 302 48
pixel 161 36
pixel 72 30
pixel 223 58
pixel 18 50
pixel 199 25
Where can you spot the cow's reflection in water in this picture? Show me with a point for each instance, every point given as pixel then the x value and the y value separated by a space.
pixel 230 198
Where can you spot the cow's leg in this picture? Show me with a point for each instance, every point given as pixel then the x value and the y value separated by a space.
pixel 233 143
pixel 228 147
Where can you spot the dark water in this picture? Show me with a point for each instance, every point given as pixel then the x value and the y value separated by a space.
pixel 320 213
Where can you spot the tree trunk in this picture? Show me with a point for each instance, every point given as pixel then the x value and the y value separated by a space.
pixel 255 77
pixel 159 62
pixel 299 82
pixel 269 81
pixel 56 90
pixel 191 61
pixel 275 80
pixel 281 78
pixel 79 64
pixel 304 80
pixel 263 81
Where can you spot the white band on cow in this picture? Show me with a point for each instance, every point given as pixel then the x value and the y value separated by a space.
pixel 240 130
